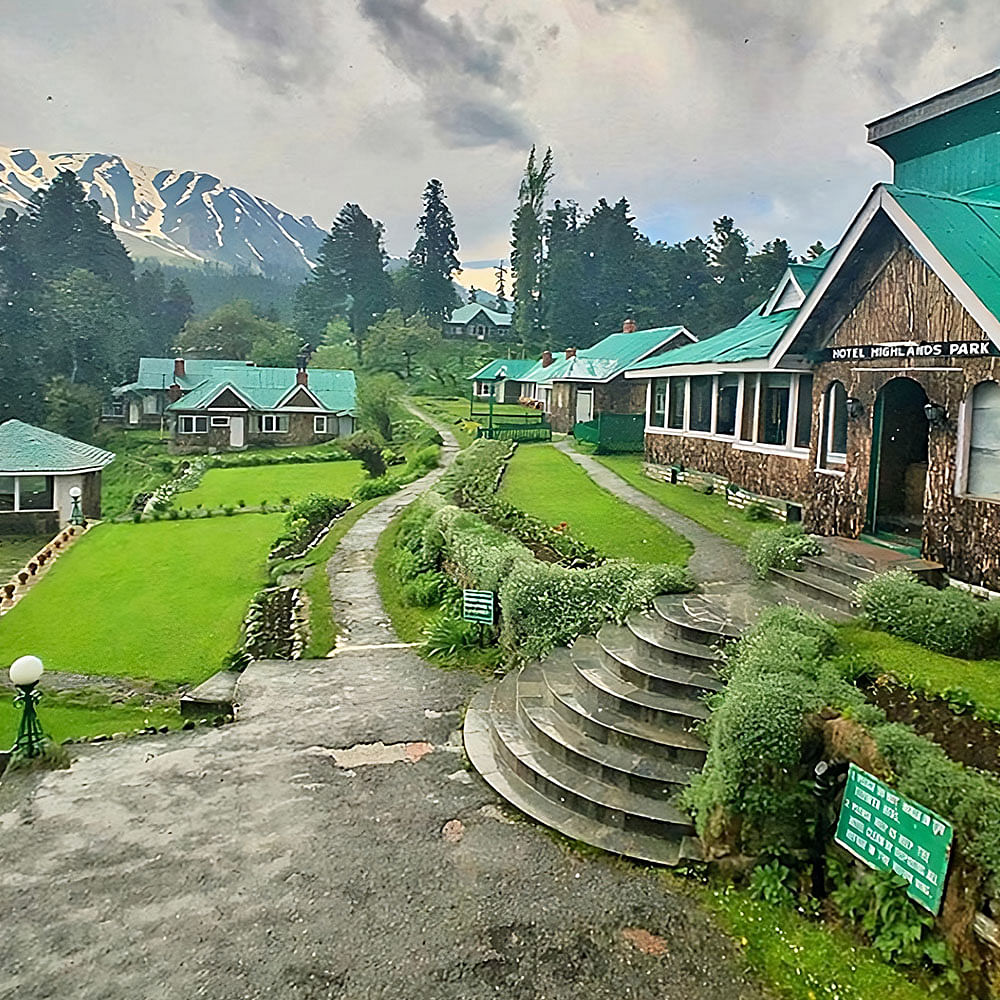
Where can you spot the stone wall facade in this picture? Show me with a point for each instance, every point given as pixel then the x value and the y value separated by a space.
pixel 300 433
pixel 620 395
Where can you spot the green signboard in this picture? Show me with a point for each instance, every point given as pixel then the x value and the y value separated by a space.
pixel 478 606
pixel 890 832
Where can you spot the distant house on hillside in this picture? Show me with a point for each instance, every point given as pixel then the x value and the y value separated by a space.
pixel 38 469
pixel 508 388
pixel 232 404
pixel 478 321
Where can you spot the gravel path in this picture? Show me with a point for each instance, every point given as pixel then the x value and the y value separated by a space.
pixel 328 845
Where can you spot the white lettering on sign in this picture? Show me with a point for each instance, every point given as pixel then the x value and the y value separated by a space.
pixel 936 349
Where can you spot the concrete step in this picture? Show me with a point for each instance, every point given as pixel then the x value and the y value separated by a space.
pixel 606 725
pixel 836 570
pixel 695 619
pixel 603 688
pixel 213 697
pixel 643 774
pixel 659 662
pixel 610 805
pixel 823 592
pixel 479 745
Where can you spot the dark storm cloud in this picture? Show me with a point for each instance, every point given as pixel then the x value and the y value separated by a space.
pixel 284 44
pixel 468 82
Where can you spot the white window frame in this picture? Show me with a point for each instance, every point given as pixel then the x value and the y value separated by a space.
pixel 18 509
pixel 828 460
pixel 271 423
pixel 965 447
pixel 220 421
pixel 187 423
pixel 319 424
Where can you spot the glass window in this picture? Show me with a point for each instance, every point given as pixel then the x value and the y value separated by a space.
pixel 6 493
pixel 319 425
pixel 658 403
pixel 273 423
pixel 835 425
pixel 984 442
pixel 149 403
pixel 803 412
pixel 220 421
pixel 749 407
pixel 192 425
pixel 772 420
pixel 701 403
pixel 678 389
pixel 725 416
pixel 34 493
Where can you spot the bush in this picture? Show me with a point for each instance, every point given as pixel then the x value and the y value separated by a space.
pixel 367 449
pixel 780 548
pixel 447 635
pixel 948 621
pixel 304 520
pixel 173 514
pixel 137 517
pixel 757 511
pixel 369 489
pixel 425 590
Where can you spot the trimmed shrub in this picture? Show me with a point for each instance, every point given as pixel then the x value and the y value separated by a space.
pixel 425 590
pixel 304 520
pixel 780 548
pixel 948 621
pixel 383 486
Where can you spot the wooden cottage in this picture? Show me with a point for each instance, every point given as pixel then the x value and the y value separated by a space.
pixel 503 378
pixel 864 396
pixel 478 322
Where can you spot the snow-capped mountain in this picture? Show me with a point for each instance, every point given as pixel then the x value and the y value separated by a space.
pixel 172 215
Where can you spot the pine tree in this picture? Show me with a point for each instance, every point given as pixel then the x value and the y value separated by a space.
pixel 350 278
pixel 728 255
pixel 527 246
pixel 501 275
pixel 816 250
pixel 433 257
pixel 764 271
pixel 568 311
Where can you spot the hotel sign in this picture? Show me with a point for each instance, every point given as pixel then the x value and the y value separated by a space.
pixel 893 352
pixel 889 832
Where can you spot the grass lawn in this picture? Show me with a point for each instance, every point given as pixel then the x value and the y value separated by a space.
pixel 925 670
pixel 141 464
pixel 709 510
pixel 272 483
pixel 62 719
pixel 801 959
pixel 551 486
pixel 163 600
pixel 450 411
pixel 16 550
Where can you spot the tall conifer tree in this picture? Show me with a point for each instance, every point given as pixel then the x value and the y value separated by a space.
pixel 527 245
pixel 433 257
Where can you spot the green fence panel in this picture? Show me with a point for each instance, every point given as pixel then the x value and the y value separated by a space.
pixel 613 432
pixel 517 432
pixel 587 431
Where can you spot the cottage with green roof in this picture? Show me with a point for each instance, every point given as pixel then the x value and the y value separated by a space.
pixel 479 322
pixel 236 404
pixel 865 393
pixel 503 377
pixel 38 471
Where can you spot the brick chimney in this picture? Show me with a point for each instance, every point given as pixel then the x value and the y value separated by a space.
pixel 570 353
pixel 546 359
pixel 302 377
pixel 628 326
pixel 178 367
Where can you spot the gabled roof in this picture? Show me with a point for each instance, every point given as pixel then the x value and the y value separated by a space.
pixel 514 368
pixel 611 356
pixel 265 388
pixel 27 449
pixel 158 373
pixel 465 314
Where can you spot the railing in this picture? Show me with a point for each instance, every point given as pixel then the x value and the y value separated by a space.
pixel 517 432
pixel 613 432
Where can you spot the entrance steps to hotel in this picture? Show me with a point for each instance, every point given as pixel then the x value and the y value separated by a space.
pixel 826 583
pixel 596 740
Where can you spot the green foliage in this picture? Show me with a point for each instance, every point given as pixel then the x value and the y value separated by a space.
pixel 426 590
pixel 769 883
pixel 381 486
pixel 433 257
pixel 948 621
pixel 72 410
pixel 235 331
pixel 780 548
pixel 367 448
pixel 395 343
pixel 303 522
pixel 757 511
pixel 378 397
pixel 447 635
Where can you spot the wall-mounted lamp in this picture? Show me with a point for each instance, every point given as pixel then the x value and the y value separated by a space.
pixel 934 412
pixel 854 406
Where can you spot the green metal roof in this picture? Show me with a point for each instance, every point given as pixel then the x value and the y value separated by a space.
pixel 465 314
pixel 612 355
pixel 752 338
pixel 515 368
pixel 27 449
pixel 264 388
pixel 966 232
pixel 158 373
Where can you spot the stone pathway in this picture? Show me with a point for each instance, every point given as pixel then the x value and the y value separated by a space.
pixel 330 844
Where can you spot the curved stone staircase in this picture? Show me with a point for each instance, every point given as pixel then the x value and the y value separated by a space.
pixel 596 740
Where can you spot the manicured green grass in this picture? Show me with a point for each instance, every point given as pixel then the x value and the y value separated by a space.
pixel 408 621
pixel 162 600
pixel 141 464
pixel 551 486
pixel 709 510
pixel 322 628
pixel 800 959
pixel 63 721
pixel 925 670
pixel 272 483
pixel 16 550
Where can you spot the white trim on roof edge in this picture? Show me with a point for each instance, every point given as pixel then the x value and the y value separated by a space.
pixel 770 306
pixel 208 402
pixel 692 339
pixel 881 200
pixel 291 392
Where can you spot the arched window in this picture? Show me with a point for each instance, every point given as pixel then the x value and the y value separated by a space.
pixel 833 443
pixel 983 478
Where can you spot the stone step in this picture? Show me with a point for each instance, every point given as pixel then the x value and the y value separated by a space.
pixel 823 592
pixel 836 570
pixel 610 805
pixel 681 672
pixel 880 558
pixel 606 689
pixel 643 774
pixel 213 697
pixel 606 725
pixel 695 619
pixel 479 746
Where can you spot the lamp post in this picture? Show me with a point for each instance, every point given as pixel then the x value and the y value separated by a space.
pixel 76 516
pixel 24 675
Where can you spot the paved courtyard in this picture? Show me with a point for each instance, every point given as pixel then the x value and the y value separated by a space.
pixel 286 856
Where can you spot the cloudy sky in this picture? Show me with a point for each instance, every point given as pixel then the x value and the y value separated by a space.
pixel 690 108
